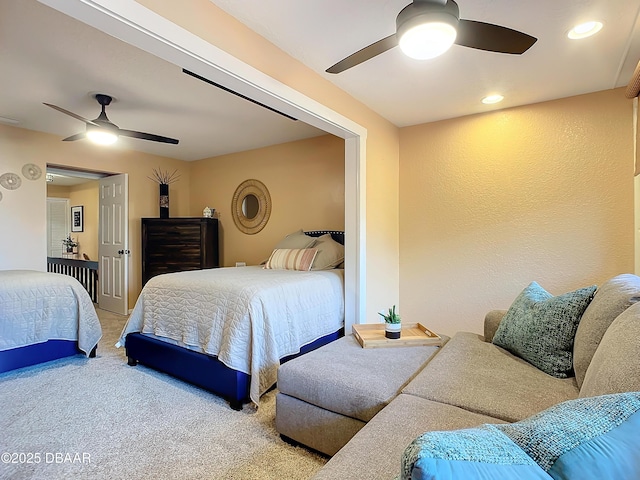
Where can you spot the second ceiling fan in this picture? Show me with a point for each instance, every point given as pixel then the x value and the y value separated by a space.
pixel 102 130
pixel 427 28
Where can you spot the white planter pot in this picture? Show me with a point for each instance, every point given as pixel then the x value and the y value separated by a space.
pixel 392 330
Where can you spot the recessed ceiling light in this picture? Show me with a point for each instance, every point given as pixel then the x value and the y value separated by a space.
pixel 491 99
pixel 584 30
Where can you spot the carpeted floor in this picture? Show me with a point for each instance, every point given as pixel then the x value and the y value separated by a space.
pixel 101 419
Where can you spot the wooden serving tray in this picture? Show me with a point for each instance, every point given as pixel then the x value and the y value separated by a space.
pixel 371 335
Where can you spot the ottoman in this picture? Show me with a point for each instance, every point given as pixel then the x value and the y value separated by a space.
pixel 326 396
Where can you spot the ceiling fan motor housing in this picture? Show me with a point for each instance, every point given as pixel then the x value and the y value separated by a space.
pixel 421 12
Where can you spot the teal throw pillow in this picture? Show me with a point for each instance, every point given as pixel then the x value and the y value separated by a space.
pixel 540 328
pixel 475 453
pixel 593 437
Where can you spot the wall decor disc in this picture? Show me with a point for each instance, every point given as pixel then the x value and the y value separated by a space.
pixel 10 181
pixel 31 171
pixel 0 196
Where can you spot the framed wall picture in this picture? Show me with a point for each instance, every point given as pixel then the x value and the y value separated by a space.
pixel 77 219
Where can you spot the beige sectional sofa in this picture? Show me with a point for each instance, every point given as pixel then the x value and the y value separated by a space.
pixel 471 381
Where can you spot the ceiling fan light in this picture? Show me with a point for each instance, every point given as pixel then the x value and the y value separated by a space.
pixel 427 40
pixel 102 137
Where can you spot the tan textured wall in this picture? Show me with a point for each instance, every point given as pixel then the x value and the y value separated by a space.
pixel 206 20
pixel 58 191
pixel 490 202
pixel 305 180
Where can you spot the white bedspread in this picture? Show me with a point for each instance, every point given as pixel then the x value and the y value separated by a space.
pixel 38 306
pixel 248 317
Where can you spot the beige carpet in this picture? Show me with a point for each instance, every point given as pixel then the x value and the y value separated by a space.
pixel 102 419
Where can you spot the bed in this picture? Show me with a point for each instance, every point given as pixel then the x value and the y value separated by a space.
pixel 43 317
pixel 227 330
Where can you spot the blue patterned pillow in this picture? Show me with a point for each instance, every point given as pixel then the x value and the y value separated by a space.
pixel 481 453
pixel 540 328
pixel 593 437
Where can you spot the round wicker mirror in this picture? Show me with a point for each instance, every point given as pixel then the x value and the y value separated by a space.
pixel 251 206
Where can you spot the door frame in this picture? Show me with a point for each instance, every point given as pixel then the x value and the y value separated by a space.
pixel 133 23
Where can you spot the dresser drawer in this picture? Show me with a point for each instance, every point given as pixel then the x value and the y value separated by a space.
pixel 177 244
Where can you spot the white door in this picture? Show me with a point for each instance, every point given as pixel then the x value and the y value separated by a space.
pixel 113 245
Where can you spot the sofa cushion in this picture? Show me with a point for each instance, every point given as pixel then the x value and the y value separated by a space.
pixel 345 378
pixel 375 451
pixel 611 299
pixel 483 378
pixel 313 426
pixel 540 328
pixel 473 453
pixel 615 366
pixel 592 437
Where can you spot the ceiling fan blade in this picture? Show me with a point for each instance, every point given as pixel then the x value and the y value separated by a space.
pixel 365 54
pixel 71 114
pixel 493 38
pixel 147 136
pixel 77 136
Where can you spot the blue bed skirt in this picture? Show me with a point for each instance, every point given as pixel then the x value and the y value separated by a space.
pixel 37 353
pixel 203 370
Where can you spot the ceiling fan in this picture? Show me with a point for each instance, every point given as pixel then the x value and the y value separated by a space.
pixel 427 28
pixel 102 130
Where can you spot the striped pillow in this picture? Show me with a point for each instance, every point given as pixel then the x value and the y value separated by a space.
pixel 292 259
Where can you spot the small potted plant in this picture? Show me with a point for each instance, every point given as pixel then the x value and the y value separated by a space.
pixel 393 326
pixel 69 243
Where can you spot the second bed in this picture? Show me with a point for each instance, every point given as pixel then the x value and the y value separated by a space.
pixel 228 329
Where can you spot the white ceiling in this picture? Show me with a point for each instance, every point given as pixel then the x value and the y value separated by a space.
pixel 408 92
pixel 49 57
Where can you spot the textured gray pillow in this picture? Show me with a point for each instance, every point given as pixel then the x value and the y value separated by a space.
pixel 330 253
pixel 611 299
pixel 615 367
pixel 540 328
pixel 296 240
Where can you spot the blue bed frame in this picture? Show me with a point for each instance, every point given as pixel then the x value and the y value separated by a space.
pixel 203 370
pixel 38 353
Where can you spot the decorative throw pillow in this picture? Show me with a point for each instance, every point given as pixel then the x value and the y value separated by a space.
pixel 611 299
pixel 296 240
pixel 330 253
pixel 481 452
pixel 291 259
pixel 593 437
pixel 615 366
pixel 540 328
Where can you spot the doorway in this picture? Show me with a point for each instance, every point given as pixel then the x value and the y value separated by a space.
pixel 73 189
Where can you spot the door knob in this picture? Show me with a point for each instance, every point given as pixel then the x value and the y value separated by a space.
pixel 124 252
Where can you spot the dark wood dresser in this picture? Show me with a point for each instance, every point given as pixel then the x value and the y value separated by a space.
pixel 178 244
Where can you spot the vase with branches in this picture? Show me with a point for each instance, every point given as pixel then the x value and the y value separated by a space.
pixel 164 179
